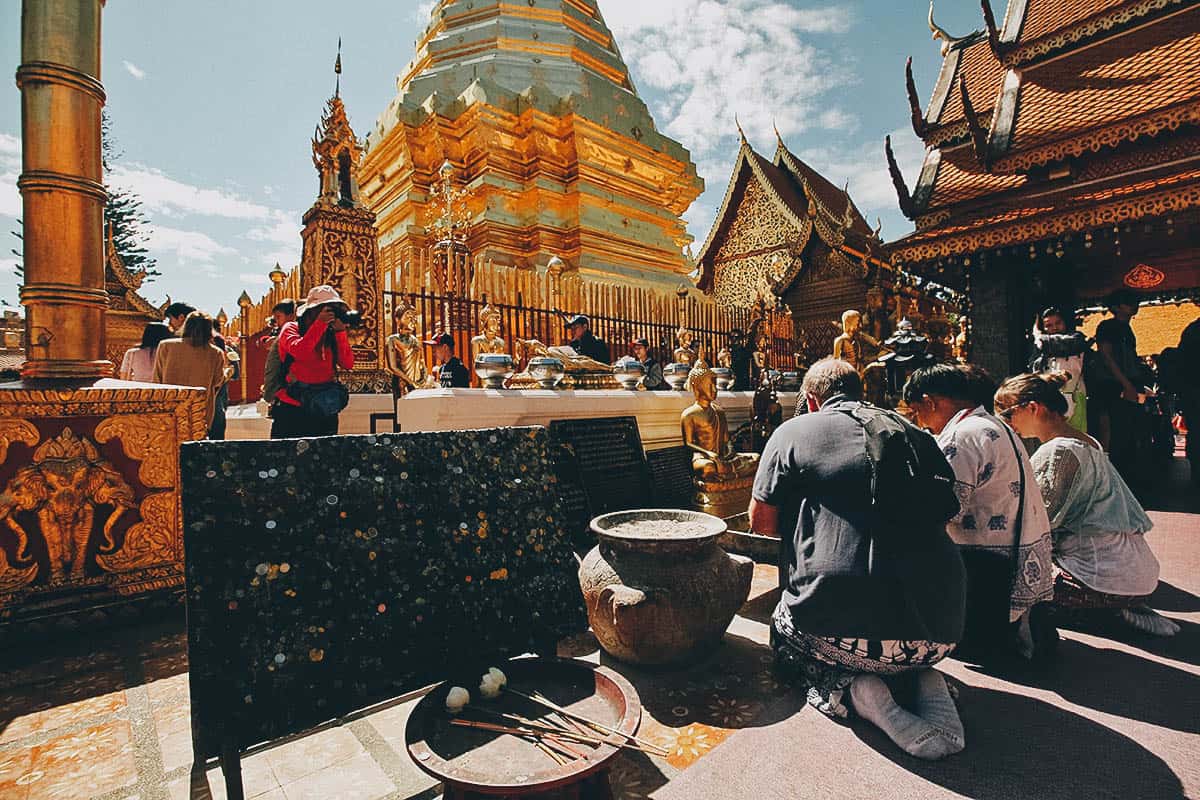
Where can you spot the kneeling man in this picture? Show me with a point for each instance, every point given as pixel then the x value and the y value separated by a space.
pixel 868 591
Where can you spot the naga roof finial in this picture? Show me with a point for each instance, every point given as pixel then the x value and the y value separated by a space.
pixel 778 135
pixel 741 132
pixel 938 32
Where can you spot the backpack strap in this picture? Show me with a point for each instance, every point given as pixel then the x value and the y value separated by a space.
pixel 1017 523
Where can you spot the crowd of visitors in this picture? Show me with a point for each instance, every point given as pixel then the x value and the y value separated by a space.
pixel 967 544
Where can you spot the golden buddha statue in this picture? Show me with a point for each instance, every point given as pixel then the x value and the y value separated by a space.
pixel 488 341
pixel 854 345
pixel 725 358
pixel 405 353
pixel 722 477
pixel 684 353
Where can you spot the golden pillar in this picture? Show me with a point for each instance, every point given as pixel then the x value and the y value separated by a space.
pixel 62 189
pixel 244 302
pixel 89 467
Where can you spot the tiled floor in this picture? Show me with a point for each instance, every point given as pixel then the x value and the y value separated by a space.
pixel 106 717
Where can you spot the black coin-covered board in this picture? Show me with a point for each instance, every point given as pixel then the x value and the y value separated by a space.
pixel 324 575
pixel 671 476
pixel 603 468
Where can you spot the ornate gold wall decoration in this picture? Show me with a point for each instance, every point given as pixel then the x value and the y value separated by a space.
pixel 16 430
pixel 148 438
pixel 150 542
pixel 64 487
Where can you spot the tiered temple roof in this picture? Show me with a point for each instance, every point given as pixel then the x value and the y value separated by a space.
pixel 1072 115
pixel 805 202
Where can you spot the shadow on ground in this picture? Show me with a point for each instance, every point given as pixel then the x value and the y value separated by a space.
pixel 1016 742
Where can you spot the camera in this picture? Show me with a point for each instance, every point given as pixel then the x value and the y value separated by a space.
pixel 351 318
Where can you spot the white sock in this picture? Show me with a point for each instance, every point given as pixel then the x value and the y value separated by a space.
pixel 1147 620
pixel 873 700
pixel 936 706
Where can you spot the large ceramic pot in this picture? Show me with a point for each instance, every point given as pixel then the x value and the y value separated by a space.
pixel 664 592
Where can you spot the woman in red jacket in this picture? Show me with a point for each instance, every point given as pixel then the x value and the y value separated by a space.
pixel 312 349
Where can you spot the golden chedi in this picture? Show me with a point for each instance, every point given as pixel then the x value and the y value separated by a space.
pixel 533 107
pixel 722 477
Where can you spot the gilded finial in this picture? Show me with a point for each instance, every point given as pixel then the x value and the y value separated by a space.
pixel 337 70
pixel 741 132
pixel 778 135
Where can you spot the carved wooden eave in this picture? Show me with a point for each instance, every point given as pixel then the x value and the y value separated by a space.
pixel 1070 211
pixel 903 195
pixel 919 125
pixel 1109 22
pixel 123 285
pixel 746 167
pixel 979 136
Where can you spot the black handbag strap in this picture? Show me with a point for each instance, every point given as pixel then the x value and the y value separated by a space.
pixel 1017 523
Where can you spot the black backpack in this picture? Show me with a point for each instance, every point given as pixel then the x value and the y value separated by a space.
pixel 912 484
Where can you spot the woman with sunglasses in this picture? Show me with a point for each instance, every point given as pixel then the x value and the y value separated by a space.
pixel 1101 557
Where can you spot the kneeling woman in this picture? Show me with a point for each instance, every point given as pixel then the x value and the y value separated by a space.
pixel 1101 556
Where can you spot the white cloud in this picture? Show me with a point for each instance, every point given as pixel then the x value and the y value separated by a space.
pixel 164 195
pixel 423 10
pixel 188 247
pixel 9 145
pixel 255 279
pixel 866 169
pixel 134 70
pixel 10 198
pixel 284 229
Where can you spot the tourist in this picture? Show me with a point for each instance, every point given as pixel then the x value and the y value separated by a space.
pixel 1058 348
pixel 583 341
pixel 653 379
pixel 312 350
pixel 232 370
pixel 866 593
pixel 1114 382
pixel 1101 556
pixel 176 313
pixel 273 379
pixel 452 374
pixel 1002 527
pixel 193 360
pixel 138 362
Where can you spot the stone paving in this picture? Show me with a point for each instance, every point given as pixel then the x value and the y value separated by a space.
pixel 105 716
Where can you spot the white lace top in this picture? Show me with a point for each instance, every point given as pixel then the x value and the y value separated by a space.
pixel 1097 521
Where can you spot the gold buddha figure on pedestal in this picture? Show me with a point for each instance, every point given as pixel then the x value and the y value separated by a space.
pixel 854 345
pixel 722 476
pixel 489 340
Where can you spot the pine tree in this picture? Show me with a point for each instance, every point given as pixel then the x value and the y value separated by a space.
pixel 123 211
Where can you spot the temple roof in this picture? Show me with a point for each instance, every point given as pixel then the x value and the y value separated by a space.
pixel 122 285
pixel 1094 122
pixel 802 195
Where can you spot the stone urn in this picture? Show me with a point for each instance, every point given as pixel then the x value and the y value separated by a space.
pixel 676 374
pixel 658 588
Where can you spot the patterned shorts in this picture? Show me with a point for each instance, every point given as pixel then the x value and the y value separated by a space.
pixel 828 664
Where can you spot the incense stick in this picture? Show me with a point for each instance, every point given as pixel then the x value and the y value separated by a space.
pixel 525 732
pixel 541 700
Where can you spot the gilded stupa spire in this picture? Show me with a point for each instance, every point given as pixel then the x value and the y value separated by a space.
pixel 336 150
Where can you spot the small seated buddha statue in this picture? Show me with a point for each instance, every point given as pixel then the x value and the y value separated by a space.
pixel 684 353
pixel 722 477
pixel 489 340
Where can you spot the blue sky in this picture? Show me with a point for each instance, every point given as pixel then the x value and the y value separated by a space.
pixel 214 103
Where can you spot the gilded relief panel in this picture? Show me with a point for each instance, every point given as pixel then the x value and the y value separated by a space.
pixel 756 250
pixel 89 497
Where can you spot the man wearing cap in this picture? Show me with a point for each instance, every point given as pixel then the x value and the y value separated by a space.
pixel 653 378
pixel 584 342
pixel 452 374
